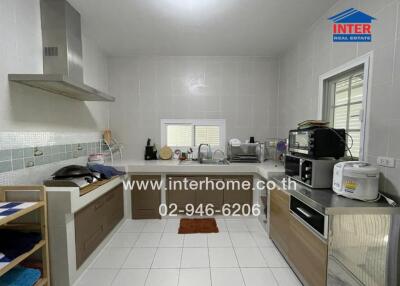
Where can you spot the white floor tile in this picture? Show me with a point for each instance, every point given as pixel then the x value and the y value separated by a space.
pixel 111 258
pixel 167 258
pixel 250 257
pixel 242 239
pixel 195 258
pixel 148 240
pixel 132 226
pixel 155 226
pixel 129 277
pixel 222 257
pixel 226 277
pixel 219 240
pixel 285 277
pixel 171 240
pixel 261 238
pixel 232 217
pixel 98 277
pixel 123 239
pixel 172 226
pixel 272 257
pixel 140 258
pixel 163 277
pixel 195 240
pixel 236 225
pixel 194 277
pixel 221 224
pixel 258 277
pixel 151 253
pixel 253 225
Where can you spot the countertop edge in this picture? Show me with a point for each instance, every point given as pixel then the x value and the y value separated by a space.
pixel 359 207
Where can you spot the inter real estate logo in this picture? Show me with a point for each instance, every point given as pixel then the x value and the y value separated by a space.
pixel 352 26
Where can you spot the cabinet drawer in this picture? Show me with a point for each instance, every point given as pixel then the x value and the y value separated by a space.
pixel 308 253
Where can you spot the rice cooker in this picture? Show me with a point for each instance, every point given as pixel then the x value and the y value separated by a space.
pixel 356 180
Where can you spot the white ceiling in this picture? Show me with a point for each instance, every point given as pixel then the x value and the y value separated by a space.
pixel 198 27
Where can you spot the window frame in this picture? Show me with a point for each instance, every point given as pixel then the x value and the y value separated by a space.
pixel 195 122
pixel 365 63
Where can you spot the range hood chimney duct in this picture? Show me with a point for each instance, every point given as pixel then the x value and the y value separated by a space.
pixel 62 55
pixel 62 40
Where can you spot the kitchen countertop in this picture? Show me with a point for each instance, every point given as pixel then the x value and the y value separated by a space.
pixel 71 199
pixel 327 202
pixel 264 170
pixel 68 199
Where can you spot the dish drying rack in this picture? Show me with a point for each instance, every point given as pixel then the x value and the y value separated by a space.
pixel 111 151
pixel 271 149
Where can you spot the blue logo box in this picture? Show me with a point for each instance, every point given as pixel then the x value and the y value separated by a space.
pixel 352 38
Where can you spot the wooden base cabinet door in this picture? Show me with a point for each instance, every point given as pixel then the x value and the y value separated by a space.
pixel 211 194
pixel 236 192
pixel 146 201
pixel 95 221
pixel 89 230
pixel 279 230
pixel 308 253
pixel 180 193
pixel 114 207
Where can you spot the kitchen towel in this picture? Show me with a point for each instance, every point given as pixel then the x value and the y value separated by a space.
pixel 20 276
pixel 106 172
pixel 4 260
pixel 14 243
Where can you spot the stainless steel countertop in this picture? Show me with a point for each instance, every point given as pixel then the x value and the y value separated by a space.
pixel 328 202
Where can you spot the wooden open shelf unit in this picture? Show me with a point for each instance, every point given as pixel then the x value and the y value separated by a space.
pixel 39 204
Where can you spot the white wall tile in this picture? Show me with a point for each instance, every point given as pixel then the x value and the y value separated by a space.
pixel 296 103
pixel 242 90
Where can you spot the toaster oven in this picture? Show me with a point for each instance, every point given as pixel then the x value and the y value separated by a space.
pixel 318 142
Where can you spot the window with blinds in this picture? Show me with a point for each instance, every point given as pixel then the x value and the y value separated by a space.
pixel 345 109
pixel 207 134
pixel 179 135
pixel 191 133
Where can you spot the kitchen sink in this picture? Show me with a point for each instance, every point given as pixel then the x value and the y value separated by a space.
pixel 206 162
pixel 214 162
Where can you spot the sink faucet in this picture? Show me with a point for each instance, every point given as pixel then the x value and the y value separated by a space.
pixel 200 155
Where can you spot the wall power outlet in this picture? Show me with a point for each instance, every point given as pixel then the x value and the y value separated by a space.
pixel 386 162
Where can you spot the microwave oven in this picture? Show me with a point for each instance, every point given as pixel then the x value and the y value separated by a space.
pixel 314 173
pixel 317 142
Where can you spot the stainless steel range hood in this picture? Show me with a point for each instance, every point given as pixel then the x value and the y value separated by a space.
pixel 62 55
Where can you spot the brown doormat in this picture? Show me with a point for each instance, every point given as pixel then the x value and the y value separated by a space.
pixel 198 225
